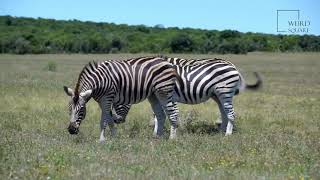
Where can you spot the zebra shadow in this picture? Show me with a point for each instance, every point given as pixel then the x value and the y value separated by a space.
pixel 201 128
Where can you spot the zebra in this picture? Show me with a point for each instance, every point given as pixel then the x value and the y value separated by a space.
pixel 116 83
pixel 202 79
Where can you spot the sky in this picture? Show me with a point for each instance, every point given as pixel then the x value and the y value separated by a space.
pixel 241 15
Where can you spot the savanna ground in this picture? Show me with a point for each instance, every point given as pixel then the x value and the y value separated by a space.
pixel 277 127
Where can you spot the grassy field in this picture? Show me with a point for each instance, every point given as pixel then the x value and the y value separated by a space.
pixel 278 127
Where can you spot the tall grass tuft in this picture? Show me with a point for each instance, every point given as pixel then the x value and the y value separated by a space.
pixel 51 66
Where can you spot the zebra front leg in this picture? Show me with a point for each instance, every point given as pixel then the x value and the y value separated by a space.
pixel 120 112
pixel 106 119
pixel 115 117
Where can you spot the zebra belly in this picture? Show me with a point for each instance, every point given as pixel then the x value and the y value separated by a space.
pixel 133 98
pixel 185 99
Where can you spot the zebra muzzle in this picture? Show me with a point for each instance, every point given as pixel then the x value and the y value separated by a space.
pixel 73 128
pixel 118 120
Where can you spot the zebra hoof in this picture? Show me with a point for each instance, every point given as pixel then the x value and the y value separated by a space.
pixel 102 140
pixel 172 137
pixel 156 136
pixel 151 124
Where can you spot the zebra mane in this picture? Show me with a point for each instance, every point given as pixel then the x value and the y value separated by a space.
pixel 91 65
pixel 163 56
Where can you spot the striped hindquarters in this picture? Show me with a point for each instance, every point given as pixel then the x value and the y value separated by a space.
pixel 201 81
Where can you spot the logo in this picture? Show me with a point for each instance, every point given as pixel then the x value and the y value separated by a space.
pixel 289 21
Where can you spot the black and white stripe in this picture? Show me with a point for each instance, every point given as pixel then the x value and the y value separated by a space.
pixel 203 79
pixel 117 83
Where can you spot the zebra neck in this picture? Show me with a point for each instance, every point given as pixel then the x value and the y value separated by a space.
pixel 99 87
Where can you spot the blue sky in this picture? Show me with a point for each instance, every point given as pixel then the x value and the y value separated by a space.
pixel 241 15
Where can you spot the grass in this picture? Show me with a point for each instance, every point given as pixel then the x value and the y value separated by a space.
pixel 277 133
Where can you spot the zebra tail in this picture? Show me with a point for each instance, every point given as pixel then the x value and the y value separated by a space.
pixel 257 85
pixel 244 85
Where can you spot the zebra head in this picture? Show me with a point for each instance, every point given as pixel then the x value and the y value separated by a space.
pixel 77 108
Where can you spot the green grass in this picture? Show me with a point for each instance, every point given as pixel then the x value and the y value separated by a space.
pixel 277 128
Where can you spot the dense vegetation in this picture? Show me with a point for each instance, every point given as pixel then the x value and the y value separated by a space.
pixel 27 35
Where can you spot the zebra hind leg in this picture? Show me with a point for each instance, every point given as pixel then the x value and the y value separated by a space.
pixel 172 111
pixel 227 112
pixel 220 118
pixel 102 130
pixel 160 116
pixel 153 120
pixel 224 117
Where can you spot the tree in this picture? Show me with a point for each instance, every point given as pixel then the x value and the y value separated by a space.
pixel 8 21
pixel 309 43
pixel 181 43
pixel 237 47
pixel 227 34
pixel 116 43
pixel 22 46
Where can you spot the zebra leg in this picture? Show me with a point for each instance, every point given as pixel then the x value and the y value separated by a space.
pixel 224 118
pixel 219 120
pixel 155 125
pixel 153 120
pixel 115 117
pixel 230 111
pixel 172 111
pixel 228 114
pixel 173 116
pixel 106 119
pixel 120 112
pixel 160 116
pixel 102 129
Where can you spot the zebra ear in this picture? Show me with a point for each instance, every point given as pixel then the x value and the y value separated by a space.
pixel 86 94
pixel 68 91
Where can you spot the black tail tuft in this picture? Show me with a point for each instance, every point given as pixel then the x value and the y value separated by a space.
pixel 257 85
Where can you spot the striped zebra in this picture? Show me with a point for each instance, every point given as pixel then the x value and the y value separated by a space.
pixel 117 83
pixel 203 79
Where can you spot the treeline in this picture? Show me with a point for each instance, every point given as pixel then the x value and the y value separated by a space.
pixel 28 35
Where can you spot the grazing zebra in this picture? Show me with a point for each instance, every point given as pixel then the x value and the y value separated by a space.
pixel 201 80
pixel 117 83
